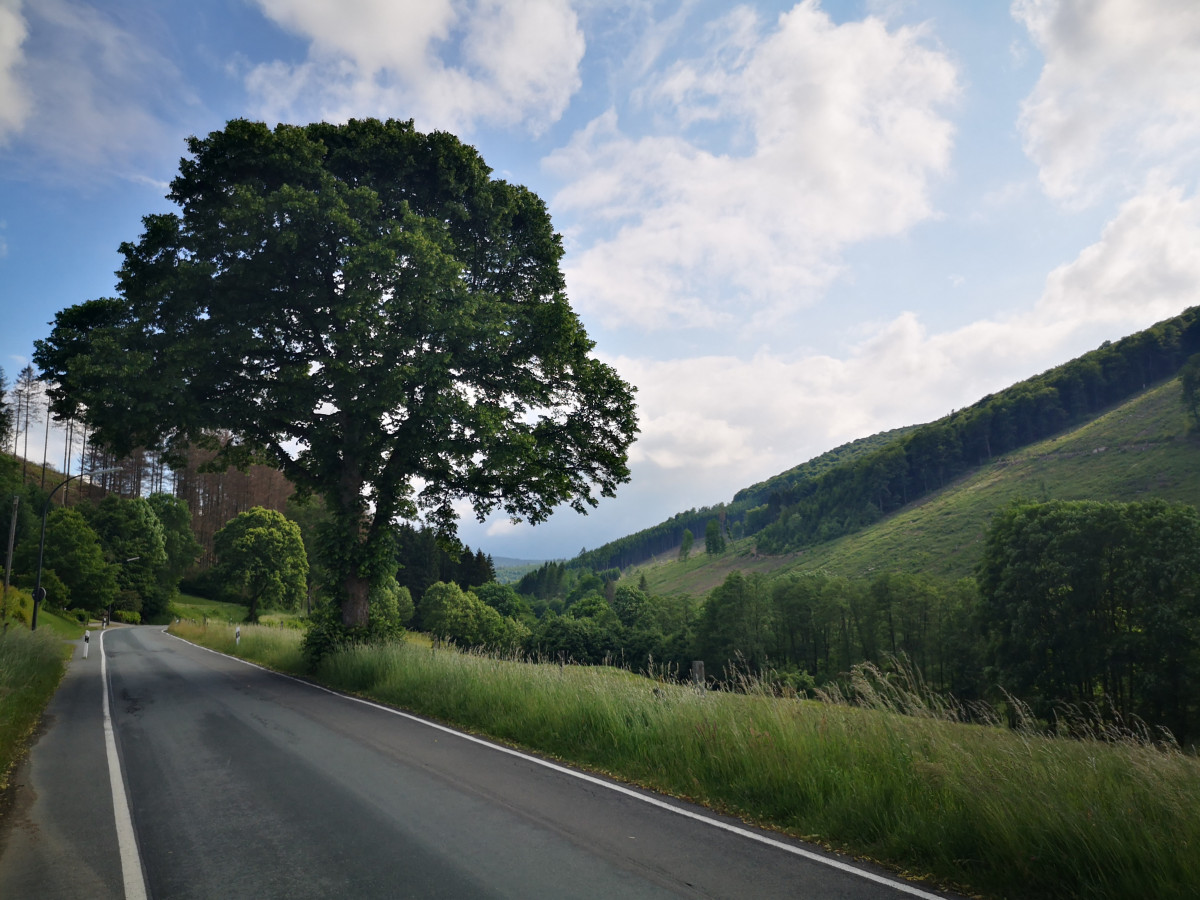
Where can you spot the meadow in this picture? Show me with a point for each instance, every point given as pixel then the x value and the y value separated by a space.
pixel 996 811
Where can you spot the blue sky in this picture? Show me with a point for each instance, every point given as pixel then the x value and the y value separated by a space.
pixel 789 225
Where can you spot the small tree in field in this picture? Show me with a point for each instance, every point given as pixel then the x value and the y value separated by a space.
pixel 261 555
pixel 714 538
pixel 685 548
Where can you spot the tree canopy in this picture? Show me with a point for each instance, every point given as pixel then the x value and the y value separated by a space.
pixel 364 307
pixel 1087 600
pixel 261 553
pixel 133 540
pixel 74 554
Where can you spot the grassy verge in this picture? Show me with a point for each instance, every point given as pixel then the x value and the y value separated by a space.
pixel 276 648
pixel 198 609
pixel 66 628
pixel 1004 813
pixel 31 666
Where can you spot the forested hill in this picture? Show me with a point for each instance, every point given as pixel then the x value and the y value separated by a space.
pixel 855 485
pixel 650 542
pixel 760 493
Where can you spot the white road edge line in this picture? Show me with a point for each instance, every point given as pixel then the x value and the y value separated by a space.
pixel 591 779
pixel 131 861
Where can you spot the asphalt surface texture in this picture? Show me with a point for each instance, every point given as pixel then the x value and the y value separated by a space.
pixel 245 783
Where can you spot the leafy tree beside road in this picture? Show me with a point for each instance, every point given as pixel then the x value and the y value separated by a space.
pixel 133 540
pixel 260 554
pixel 179 542
pixel 74 565
pixel 368 294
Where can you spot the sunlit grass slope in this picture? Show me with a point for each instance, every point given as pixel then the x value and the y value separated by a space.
pixel 1140 449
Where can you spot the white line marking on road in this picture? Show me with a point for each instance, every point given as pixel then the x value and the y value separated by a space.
pixel 131 862
pixel 600 782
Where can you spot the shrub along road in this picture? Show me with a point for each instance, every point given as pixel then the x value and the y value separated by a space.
pixel 243 783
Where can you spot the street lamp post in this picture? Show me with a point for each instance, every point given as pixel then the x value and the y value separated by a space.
pixel 39 592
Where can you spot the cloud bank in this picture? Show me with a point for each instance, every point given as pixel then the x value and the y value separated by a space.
pixel 836 132
pixel 449 65
pixel 1117 94
pixel 14 102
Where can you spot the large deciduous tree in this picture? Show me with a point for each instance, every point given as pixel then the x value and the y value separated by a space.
pixel 366 308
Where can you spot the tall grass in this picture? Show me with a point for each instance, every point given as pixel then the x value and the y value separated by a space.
pixel 31 665
pixel 276 648
pixel 1002 812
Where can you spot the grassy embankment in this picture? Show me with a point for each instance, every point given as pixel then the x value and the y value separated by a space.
pixel 31 666
pixel 1136 451
pixel 1004 813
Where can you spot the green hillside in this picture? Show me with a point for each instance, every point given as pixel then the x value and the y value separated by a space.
pixel 1139 449
pixel 665 537
pixel 859 485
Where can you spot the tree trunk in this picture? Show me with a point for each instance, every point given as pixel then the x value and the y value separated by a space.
pixel 355 609
pixel 354 527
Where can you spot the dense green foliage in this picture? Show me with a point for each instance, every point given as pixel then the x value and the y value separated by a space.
pixel 452 614
pixel 425 558
pixel 179 542
pixel 1098 602
pixel 645 544
pixel 260 554
pixel 115 554
pixel 77 560
pixel 752 508
pixel 714 538
pixel 135 541
pixel 370 294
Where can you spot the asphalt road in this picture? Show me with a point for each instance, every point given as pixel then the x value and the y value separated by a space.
pixel 243 783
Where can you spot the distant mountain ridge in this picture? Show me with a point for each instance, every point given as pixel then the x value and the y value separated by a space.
pixel 851 487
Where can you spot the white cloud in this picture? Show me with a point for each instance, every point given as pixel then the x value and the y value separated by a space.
pixel 1117 95
pixel 1143 269
pixel 517 62
pixel 14 100
pixel 724 421
pixel 98 94
pixel 804 138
